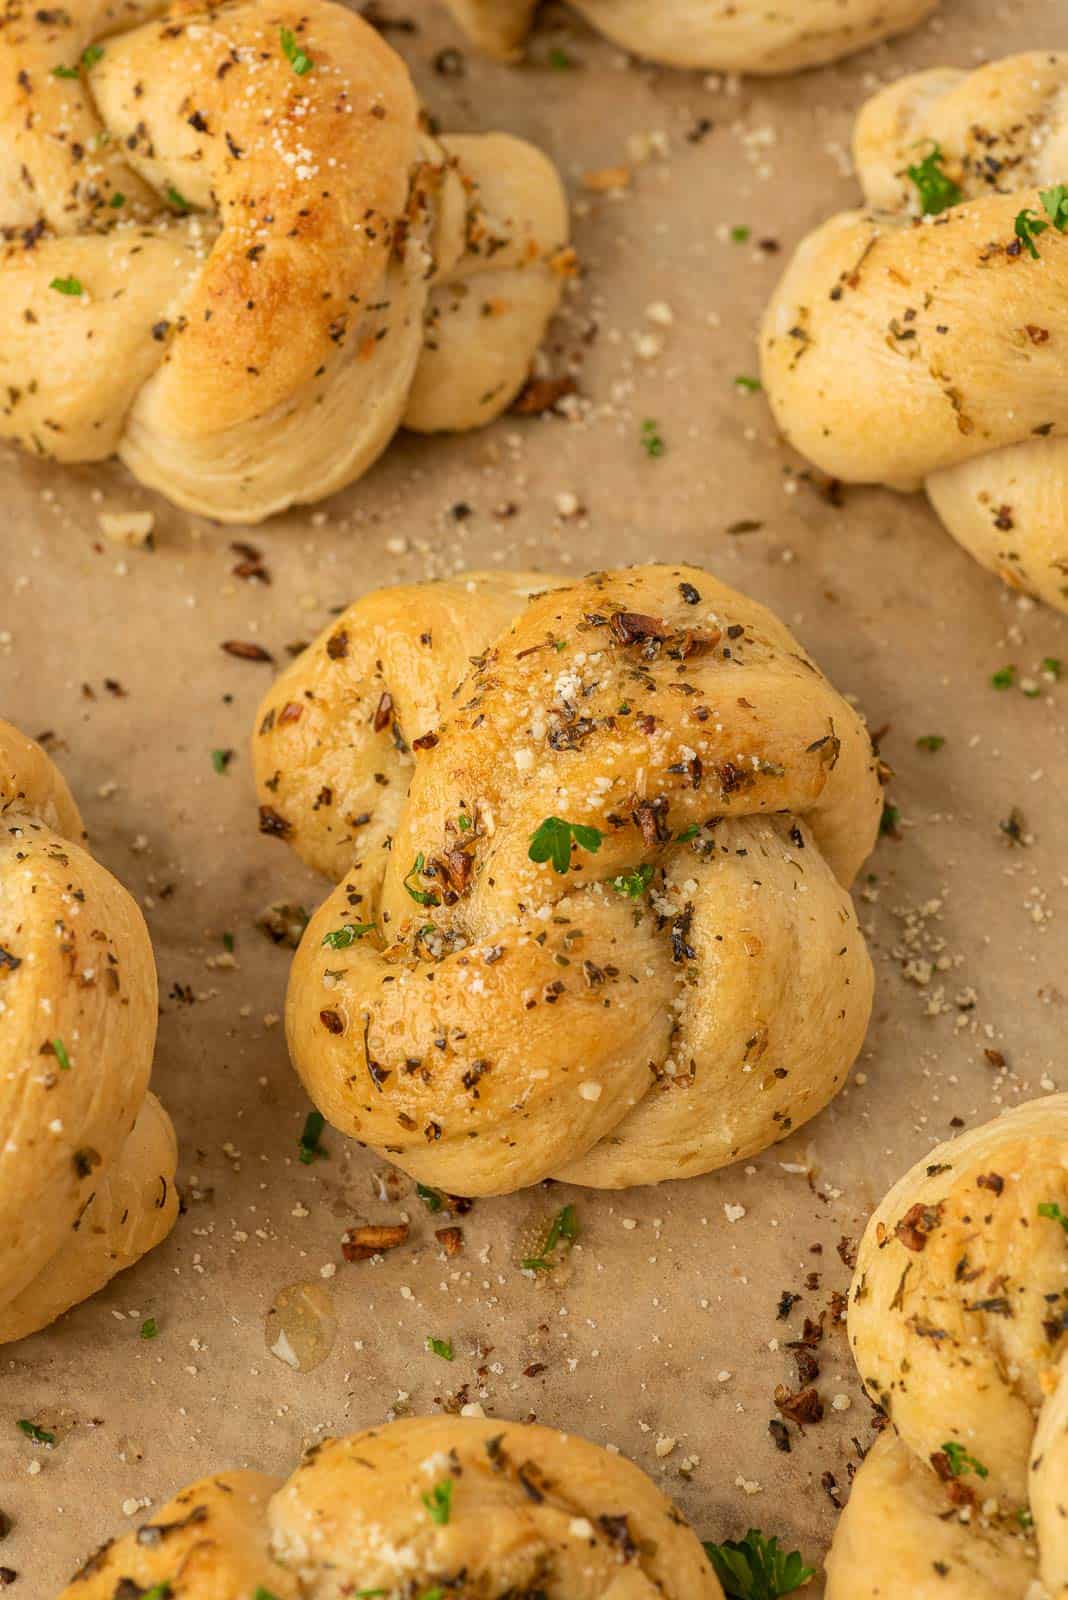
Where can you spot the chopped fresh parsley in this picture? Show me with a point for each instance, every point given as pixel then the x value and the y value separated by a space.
pixel 564 1229
pixel 177 200
pixel 687 834
pixel 930 741
pixel 1053 666
pixel 260 1593
pixel 634 884
pixel 297 58
pixel 348 933
pixel 889 820
pixel 961 1461
pixel 221 759
pixel 652 442
pixel 1030 225
pixel 149 1330
pixel 67 285
pixel 1050 1209
pixel 754 1568
pixel 117 200
pixel 158 1591
pixel 310 1148
pixel 551 841
pixel 89 58
pixel 433 1199
pixel 423 897
pixel 937 191
pixel 228 943
pixel 440 1347
pixel 59 1050
pixel 463 822
pixel 1003 678
pixel 439 1502
pixel 740 234
pixel 560 61
pixel 750 385
pixel 37 1434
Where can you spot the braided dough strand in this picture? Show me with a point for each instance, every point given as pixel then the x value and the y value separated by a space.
pixel 957 1320
pixel 712 35
pixel 679 998
pixel 529 1511
pixel 88 1159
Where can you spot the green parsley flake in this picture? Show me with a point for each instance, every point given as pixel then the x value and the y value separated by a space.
pixel 433 1199
pixel 1030 225
pixel 930 741
pixel 59 1050
pixel 260 1593
pixel 552 840
pixel 1003 678
pixel 348 933
pixel 149 1330
pixel 310 1148
pixel 750 385
pixel 440 1347
pixel 740 234
pixel 634 884
pixel 560 61
pixel 1053 667
pixel 687 834
pixel 652 443
pixel 67 285
pixel 937 191
pixel 1050 1209
pixel 117 200
pixel 298 60
pixel 889 820
pixel 158 1591
pixel 439 1502
pixel 221 759
pixel 423 897
pixel 177 200
pixel 89 58
pixel 961 1461
pixel 754 1568
pixel 564 1229
pixel 37 1434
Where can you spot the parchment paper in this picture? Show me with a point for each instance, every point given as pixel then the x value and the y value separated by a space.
pixel 665 1327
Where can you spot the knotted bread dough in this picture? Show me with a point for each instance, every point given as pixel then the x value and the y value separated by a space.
pixel 88 1155
pixel 236 258
pixel 958 1319
pixel 687 985
pixel 520 1510
pixel 930 351
pixel 712 35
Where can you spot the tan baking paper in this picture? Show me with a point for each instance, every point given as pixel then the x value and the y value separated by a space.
pixel 662 1335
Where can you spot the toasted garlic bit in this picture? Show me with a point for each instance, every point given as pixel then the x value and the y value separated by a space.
pixel 242 266
pixel 929 352
pixel 89 1155
pixel 516 1509
pixel 743 36
pixel 957 1319
pixel 592 845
